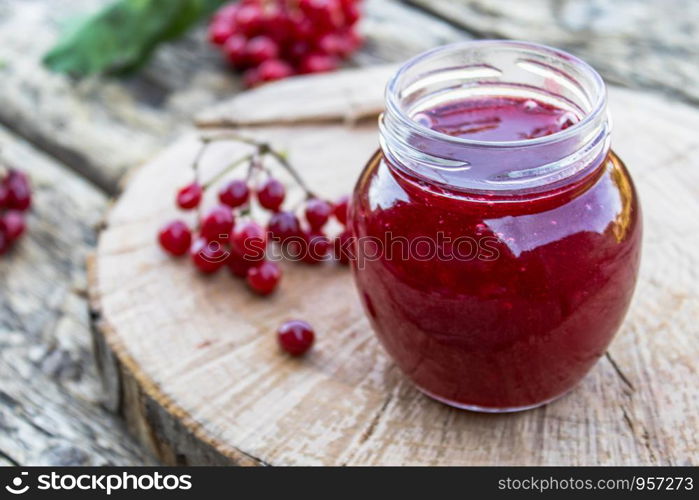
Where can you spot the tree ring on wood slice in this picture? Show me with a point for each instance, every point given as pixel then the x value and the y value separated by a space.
pixel 192 361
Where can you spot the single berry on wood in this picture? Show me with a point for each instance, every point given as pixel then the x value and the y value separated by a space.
pixel 271 194
pixel 175 238
pixel 263 279
pixel 189 196
pixel 317 212
pixel 208 256
pixel 295 337
pixel 218 224
pixel 235 193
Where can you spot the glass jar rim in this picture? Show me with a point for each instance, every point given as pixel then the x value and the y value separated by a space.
pixel 394 107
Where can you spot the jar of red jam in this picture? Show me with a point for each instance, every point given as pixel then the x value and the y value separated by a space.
pixel 498 236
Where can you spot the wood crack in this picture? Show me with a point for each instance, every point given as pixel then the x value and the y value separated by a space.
pixel 8 458
pixel 618 371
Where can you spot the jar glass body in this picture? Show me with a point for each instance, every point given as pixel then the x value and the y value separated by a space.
pixel 495 293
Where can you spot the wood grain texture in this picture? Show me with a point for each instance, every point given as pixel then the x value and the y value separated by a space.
pixel 200 352
pixel 50 396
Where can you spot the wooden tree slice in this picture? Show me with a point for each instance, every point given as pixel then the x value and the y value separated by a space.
pixel 192 361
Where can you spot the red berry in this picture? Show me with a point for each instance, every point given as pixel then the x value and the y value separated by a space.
pixel 218 224
pixel 271 194
pixel 274 69
pixel 260 49
pixel 220 31
pixel 235 50
pixel 239 265
pixel 19 195
pixel 303 30
pixel 318 248
pixel 235 193
pixel 340 209
pixel 249 19
pixel 249 240
pixel 13 223
pixel 283 225
pixel 175 238
pixel 324 14
pixel 295 337
pixel 350 10
pixel 264 278
pixel 318 63
pixel 343 246
pixel 317 212
pixel 278 25
pixel 310 247
pixel 190 196
pixel 332 44
pixel 226 13
pixel 208 256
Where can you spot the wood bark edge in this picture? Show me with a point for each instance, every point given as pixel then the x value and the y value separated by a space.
pixel 152 417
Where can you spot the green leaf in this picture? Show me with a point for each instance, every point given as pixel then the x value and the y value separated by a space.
pixel 122 36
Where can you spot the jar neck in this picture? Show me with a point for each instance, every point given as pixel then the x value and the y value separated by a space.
pixel 484 69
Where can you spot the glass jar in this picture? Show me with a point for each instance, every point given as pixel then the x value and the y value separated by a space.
pixel 498 236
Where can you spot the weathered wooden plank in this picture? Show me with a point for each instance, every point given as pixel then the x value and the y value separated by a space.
pixel 100 127
pixel 223 380
pixel 50 395
pixel 646 43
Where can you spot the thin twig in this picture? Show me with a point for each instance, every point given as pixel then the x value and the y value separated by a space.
pixel 263 148
pixel 292 171
pixel 227 169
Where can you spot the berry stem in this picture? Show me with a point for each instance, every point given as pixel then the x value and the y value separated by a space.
pixel 281 159
pixel 228 169
pixel 264 148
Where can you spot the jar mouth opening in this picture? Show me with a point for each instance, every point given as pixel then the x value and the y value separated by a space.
pixel 595 90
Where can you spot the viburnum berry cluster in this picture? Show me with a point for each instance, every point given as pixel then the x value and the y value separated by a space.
pixel 228 236
pixel 15 199
pixel 273 39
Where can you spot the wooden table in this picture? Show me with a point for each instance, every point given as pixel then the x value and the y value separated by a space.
pixel 77 141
